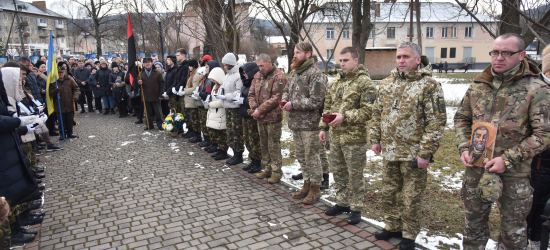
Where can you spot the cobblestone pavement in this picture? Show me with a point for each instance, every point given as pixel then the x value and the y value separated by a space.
pixel 120 187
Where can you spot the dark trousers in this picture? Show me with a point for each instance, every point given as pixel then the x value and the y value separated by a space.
pixel 122 107
pixel 50 123
pixel 67 119
pixel 86 96
pixel 150 106
pixel 165 108
pixel 98 105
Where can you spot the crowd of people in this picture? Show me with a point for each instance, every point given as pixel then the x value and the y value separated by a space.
pixel 232 105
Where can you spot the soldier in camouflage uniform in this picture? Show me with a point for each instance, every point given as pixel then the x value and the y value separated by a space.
pixel 250 126
pixel 509 94
pixel 304 95
pixel 350 97
pixel 264 96
pixel 408 120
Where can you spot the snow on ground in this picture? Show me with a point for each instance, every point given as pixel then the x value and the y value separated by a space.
pixel 451 111
pixel 454 92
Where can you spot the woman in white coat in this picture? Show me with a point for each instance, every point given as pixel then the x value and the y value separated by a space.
pixel 216 119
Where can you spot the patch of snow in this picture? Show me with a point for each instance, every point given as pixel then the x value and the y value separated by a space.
pixel 190 153
pixel 124 178
pixel 286 134
pixel 451 111
pixel 453 92
pixel 434 242
pixel 84 162
pixel 91 136
pixel 126 143
pixel 131 135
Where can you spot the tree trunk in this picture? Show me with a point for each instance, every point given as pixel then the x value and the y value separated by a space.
pixel 418 24
pixel 510 18
pixel 361 26
pixel 98 39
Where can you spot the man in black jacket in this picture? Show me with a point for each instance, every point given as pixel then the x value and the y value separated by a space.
pixel 181 81
pixel 30 80
pixel 81 74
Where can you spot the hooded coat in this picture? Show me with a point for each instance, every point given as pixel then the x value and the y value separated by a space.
pixel 170 79
pixel 207 85
pixel 251 69
pixel 232 85
pixel 102 78
pixel 216 112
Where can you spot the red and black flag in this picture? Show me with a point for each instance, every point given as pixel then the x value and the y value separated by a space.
pixel 132 54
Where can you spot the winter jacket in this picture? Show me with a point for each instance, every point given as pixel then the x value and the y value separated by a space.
pixel 192 84
pixel 152 85
pixel 42 80
pixel 113 76
pixel 306 89
pixel 265 93
pixel 181 75
pixel 207 85
pixel 251 69
pixel 68 91
pixel 93 84
pixel 170 79
pixel 232 85
pixel 31 83
pixel 408 116
pixel 102 79
pixel 216 113
pixel 518 102
pixel 81 75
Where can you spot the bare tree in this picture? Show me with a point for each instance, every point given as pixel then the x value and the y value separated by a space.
pixel 362 26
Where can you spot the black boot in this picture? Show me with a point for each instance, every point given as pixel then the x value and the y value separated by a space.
pixel 247 167
pixel 213 149
pixel 236 159
pixel 206 142
pixel 297 176
pixel 106 111
pixel 18 236
pixel 354 217
pixel 222 155
pixel 386 235
pixel 196 138
pixel 113 111
pixel 256 166
pixel 324 182
pixel 26 220
pixel 35 204
pixel 190 134
pixel 336 210
pixel 140 121
pixel 405 244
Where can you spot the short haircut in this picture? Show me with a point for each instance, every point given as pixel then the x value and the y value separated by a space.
pixel 24 59
pixel 314 58
pixel 263 58
pixel 13 64
pixel 521 43
pixel 82 61
pixel 182 51
pixel 351 50
pixel 416 49
pixel 305 47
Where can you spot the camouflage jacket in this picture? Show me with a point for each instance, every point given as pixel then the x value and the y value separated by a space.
pixel 306 89
pixel 265 93
pixel 409 115
pixel 519 105
pixel 351 94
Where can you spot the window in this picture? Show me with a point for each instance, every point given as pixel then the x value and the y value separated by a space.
pixel 452 53
pixel 345 33
pixel 468 32
pixel 391 32
pixel 330 33
pixel 453 32
pixel 62 40
pixel 409 32
pixel 443 52
pixel 430 32
pixel 16 40
pixel 329 52
pixel 6 16
pixel 33 20
pixel 42 40
pixel 444 32
pixel 372 32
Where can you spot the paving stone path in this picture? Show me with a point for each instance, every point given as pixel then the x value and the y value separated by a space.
pixel 118 187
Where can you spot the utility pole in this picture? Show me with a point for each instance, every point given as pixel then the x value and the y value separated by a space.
pixel 20 30
pixel 411 22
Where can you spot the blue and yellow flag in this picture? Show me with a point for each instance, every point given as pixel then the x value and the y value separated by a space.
pixel 52 75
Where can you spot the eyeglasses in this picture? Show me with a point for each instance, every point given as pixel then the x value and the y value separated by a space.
pixel 495 53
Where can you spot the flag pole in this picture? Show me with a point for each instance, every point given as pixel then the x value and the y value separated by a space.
pixel 76 121
pixel 143 97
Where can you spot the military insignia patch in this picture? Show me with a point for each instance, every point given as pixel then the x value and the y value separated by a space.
pixel 280 87
pixel 340 93
pixel 371 96
pixel 441 103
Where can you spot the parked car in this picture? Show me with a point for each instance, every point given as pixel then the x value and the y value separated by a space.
pixel 321 66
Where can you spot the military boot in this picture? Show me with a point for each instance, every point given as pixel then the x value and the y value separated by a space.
pixel 264 174
pixel 213 148
pixel 275 178
pixel 313 195
pixel 303 192
pixel 325 182
pixel 190 134
pixel 297 176
pixel 206 142
pixel 256 166
pixel 222 155
pixel 236 159
pixel 18 236
pixel 406 244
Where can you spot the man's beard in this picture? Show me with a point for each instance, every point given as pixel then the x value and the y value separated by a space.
pixel 297 63
pixel 480 146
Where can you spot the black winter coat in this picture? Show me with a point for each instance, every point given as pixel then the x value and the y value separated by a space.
pixel 81 75
pixel 31 83
pixel 16 182
pixel 102 79
pixel 540 177
pixel 181 75
pixel 251 69
pixel 170 79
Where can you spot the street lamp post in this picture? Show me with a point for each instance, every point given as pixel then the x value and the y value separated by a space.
pixel 161 57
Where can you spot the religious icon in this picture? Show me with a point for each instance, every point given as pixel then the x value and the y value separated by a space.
pixel 482 144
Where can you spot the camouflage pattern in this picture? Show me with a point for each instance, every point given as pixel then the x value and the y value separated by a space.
pixel 31 153
pixel 234 123
pixel 265 93
pixel 270 144
pixel 194 119
pixel 409 115
pixel 252 138
pixel 306 89
pixel 518 102
pixel 348 161
pixel 351 94
pixel 520 107
pixel 5 235
pixel 188 114
pixel 402 189
pixel 202 120
pixel 489 188
pixel 514 205
pixel 306 146
pixel 174 103
pixel 218 136
pixel 323 157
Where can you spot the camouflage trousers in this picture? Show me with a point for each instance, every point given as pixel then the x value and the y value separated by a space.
pixel 219 137
pixel 5 235
pixel 31 153
pixel 323 156
pixel 348 162
pixel 234 122
pixel 252 138
pixel 202 120
pixel 514 203
pixel 307 147
pixel 402 189
pixel 175 104
pixel 194 120
pixel 270 144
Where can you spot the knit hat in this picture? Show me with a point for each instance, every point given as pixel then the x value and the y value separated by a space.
pixel 193 63
pixel 159 63
pixel 147 59
pixel 206 58
pixel 202 71
pixel 114 64
pixel 88 64
pixel 118 80
pixel 546 59
pixel 229 59
pixel 217 75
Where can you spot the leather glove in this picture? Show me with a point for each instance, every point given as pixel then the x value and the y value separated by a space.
pixel 44 117
pixel 26 120
pixel 30 128
pixel 174 90
pixel 240 101
pixel 220 97
pixel 164 95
